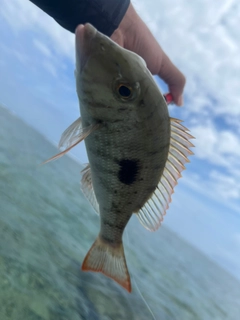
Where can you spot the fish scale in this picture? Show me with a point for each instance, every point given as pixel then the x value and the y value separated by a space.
pixel 136 151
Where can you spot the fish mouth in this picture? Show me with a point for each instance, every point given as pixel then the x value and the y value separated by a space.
pixel 84 35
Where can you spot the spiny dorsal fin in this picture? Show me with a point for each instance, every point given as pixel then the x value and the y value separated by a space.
pixel 87 187
pixel 151 214
pixel 72 136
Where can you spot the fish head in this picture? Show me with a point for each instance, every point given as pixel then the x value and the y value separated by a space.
pixel 108 77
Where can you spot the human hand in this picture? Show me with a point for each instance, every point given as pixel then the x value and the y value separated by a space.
pixel 134 35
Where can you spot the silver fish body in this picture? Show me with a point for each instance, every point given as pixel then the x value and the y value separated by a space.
pixel 135 150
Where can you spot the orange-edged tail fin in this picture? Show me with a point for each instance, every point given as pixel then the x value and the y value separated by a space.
pixel 110 260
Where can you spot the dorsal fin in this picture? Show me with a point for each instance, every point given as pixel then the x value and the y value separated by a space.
pixel 151 214
pixel 87 188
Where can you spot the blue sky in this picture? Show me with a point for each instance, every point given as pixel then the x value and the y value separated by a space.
pixel 202 38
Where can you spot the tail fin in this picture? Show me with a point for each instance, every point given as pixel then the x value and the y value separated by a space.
pixel 110 260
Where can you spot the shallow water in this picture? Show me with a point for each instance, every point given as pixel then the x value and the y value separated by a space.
pixel 47 227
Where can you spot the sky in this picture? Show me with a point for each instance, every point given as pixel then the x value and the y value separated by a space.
pixel 202 38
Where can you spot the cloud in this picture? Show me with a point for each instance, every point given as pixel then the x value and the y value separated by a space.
pixel 223 11
pixel 50 68
pixel 218 146
pixel 24 15
pixel 42 48
pixel 226 187
pixel 203 41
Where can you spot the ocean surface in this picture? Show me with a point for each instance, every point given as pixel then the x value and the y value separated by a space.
pixel 47 227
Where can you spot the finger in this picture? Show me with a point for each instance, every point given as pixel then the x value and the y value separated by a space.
pixel 117 37
pixel 174 78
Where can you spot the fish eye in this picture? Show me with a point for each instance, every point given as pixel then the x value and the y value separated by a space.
pixel 124 91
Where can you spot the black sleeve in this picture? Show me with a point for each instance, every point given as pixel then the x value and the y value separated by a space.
pixel 104 15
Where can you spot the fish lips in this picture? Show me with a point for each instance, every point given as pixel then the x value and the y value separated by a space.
pixel 84 35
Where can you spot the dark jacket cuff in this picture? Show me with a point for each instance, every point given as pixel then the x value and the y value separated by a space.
pixel 104 15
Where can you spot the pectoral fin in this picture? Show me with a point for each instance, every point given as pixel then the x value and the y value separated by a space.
pixel 72 136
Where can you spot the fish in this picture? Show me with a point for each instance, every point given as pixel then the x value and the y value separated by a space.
pixel 136 151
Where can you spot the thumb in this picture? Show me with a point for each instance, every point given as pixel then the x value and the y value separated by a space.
pixel 174 78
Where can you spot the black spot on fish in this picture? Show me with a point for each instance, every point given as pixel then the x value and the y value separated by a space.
pixel 128 171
